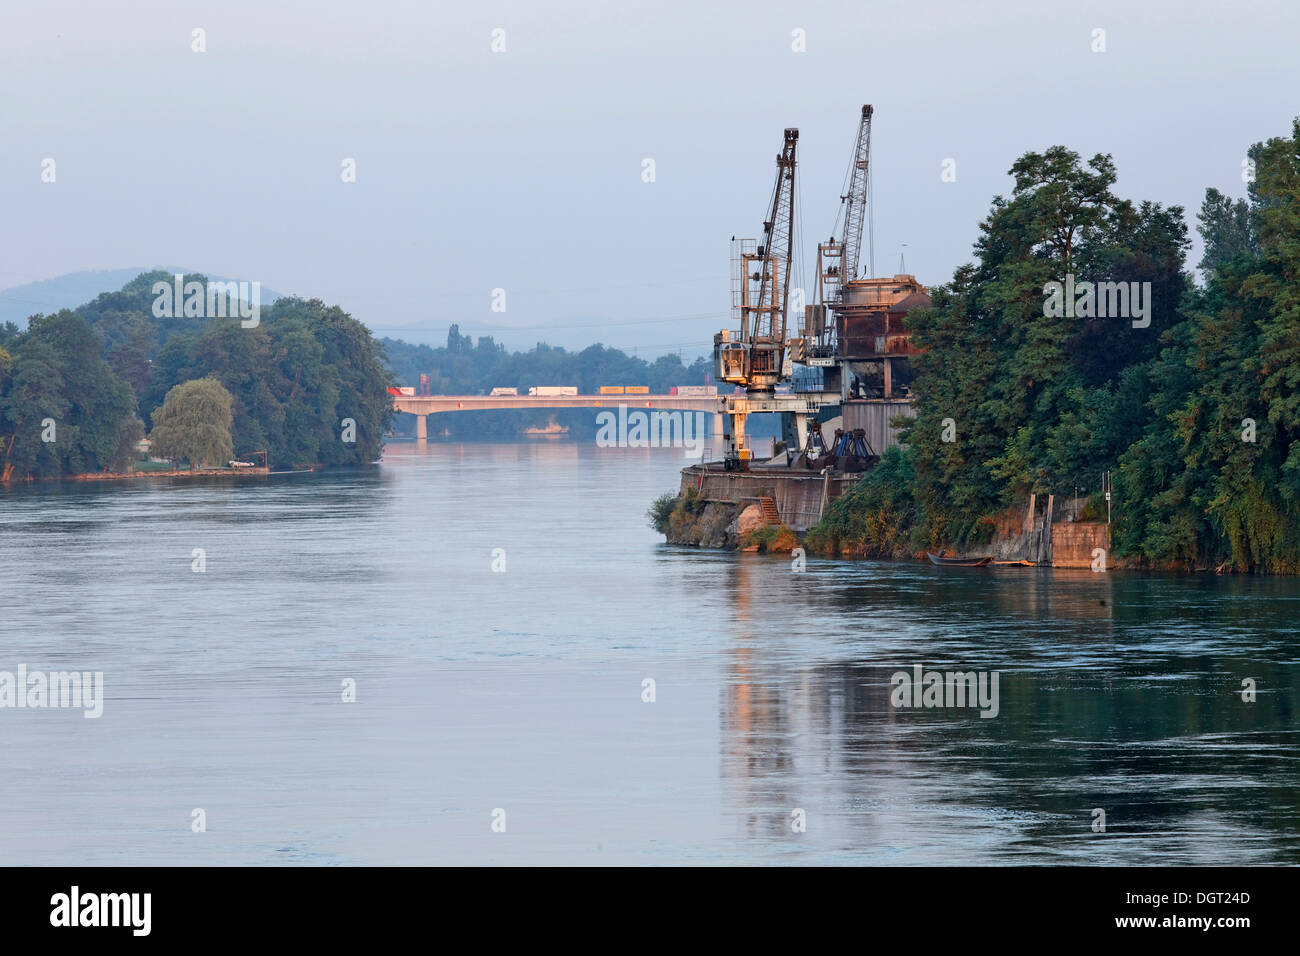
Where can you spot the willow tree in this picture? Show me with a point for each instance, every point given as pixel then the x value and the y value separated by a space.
pixel 194 423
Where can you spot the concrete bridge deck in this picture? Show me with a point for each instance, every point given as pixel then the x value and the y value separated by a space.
pixel 422 406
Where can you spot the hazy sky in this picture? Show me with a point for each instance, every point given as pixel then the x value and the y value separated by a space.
pixel 522 170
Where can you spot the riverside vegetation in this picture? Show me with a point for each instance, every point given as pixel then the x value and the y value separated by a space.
pixel 1195 416
pixel 77 386
pixel 100 372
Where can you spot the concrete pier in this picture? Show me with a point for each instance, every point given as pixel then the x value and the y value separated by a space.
pixel 800 495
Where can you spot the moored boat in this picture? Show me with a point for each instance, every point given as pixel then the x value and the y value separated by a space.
pixel 959 562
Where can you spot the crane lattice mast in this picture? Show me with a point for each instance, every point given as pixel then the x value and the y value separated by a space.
pixel 760 288
pixel 855 201
pixel 778 246
pixel 837 259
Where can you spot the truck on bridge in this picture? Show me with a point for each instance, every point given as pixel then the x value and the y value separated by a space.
pixel 553 391
pixel 625 390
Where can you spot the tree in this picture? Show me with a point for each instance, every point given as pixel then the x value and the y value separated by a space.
pixel 194 423
pixel 458 344
pixel 1224 226
pixel 295 380
pixel 33 393
pixel 62 408
pixel 1215 478
pixel 1012 397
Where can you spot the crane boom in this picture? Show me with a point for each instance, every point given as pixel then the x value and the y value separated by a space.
pixel 778 237
pixel 755 359
pixel 855 202
pixel 837 259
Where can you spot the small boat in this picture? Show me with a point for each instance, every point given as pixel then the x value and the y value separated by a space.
pixel 553 430
pixel 959 562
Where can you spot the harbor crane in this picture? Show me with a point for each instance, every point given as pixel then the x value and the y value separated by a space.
pixel 755 356
pixel 837 260
pixel 855 329
pixel 760 284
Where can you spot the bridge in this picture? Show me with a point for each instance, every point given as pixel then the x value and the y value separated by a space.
pixel 422 406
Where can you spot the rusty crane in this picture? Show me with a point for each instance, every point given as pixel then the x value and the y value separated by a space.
pixel 755 356
pixel 855 329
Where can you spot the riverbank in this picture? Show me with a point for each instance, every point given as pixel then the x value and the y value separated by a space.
pixel 260 472
pixel 721 525
pixel 696 519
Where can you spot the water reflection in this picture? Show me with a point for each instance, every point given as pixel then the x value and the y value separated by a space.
pixel 478 686
pixel 1096 711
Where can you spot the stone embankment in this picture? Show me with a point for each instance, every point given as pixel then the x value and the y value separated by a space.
pixel 699 520
pixel 734 526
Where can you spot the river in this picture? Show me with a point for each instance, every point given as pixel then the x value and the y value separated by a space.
pixel 500 715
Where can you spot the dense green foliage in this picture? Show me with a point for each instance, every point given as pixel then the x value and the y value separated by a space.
pixel 97 372
pixel 1011 399
pixel 62 409
pixel 1215 476
pixel 193 423
pixel 295 378
pixel 876 518
pixel 1039 403
pixel 661 509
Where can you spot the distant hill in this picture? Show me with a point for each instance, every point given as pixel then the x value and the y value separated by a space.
pixel 20 302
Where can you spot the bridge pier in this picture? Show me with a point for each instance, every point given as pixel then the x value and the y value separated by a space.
pixel 422 427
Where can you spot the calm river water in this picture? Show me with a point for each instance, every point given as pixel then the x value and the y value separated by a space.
pixel 521 690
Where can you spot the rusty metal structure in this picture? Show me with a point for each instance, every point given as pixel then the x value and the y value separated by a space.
pixel 837 260
pixel 847 451
pixel 872 341
pixel 760 285
pixel 854 329
pixel 755 356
